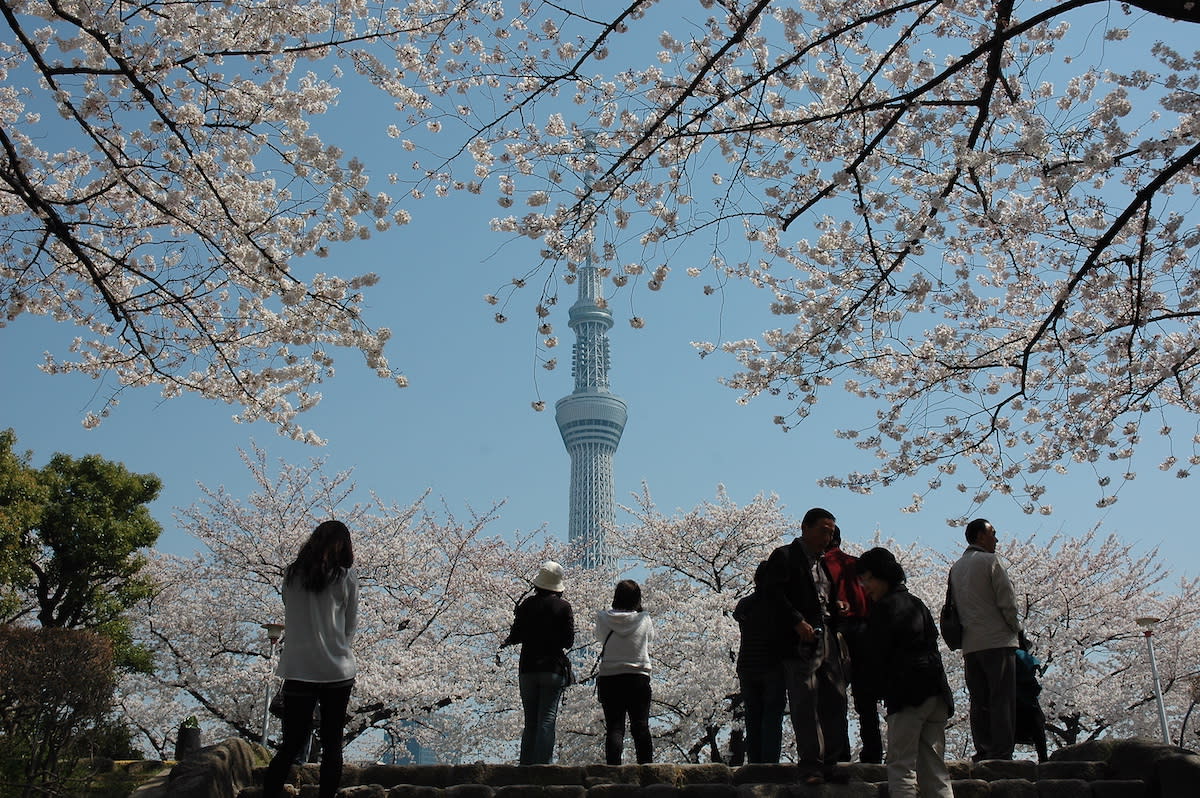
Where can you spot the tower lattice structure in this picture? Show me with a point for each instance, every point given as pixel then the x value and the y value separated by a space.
pixel 591 420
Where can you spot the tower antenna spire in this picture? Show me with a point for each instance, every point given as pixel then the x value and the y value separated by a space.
pixel 591 418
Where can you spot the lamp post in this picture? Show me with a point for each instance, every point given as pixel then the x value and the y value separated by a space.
pixel 274 632
pixel 1148 623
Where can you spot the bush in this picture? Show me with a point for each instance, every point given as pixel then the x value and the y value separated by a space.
pixel 56 690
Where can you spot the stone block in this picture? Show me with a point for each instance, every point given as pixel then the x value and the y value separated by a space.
pixel 1176 775
pixel 1083 769
pixel 661 791
pixel 996 769
pixel 704 774
pixel 726 790
pixel 1088 751
pixel 480 773
pixel 1013 788
pixel 1137 758
pixel 615 791
pixel 868 772
pixel 409 791
pixel 1119 788
pixel 1064 788
pixel 370 791
pixel 594 775
pixel 971 788
pixel 547 775
pixel 541 791
pixel 394 775
pixel 960 769
pixel 469 791
pixel 505 775
pixel 757 789
pixel 764 774
pixel 658 773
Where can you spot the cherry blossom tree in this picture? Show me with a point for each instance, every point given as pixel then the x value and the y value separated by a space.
pixel 159 181
pixel 437 597
pixel 699 563
pixel 976 216
pixel 973 215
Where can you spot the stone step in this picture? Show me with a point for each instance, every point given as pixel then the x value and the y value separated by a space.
pixel 988 779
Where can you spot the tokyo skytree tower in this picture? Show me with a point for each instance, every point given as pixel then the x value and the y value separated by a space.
pixel 591 420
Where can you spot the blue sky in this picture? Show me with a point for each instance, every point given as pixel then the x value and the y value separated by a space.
pixel 465 429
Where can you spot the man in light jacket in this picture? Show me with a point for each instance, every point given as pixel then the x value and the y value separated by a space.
pixel 987 605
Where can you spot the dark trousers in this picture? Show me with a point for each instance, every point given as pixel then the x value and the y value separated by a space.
pixel 299 700
pixel 992 686
pixel 816 691
pixel 625 695
pixel 865 706
pixel 765 698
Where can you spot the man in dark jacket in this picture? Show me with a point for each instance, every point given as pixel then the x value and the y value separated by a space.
pixel 800 590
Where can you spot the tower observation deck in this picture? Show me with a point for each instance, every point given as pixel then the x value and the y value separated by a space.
pixel 590 420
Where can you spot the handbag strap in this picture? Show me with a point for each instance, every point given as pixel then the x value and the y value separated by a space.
pixel 599 659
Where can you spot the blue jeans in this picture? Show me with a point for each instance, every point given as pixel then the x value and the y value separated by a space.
pixel 541 694
pixel 765 698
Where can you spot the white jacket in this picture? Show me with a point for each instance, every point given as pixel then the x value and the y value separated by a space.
pixel 986 601
pixel 628 647
pixel 318 631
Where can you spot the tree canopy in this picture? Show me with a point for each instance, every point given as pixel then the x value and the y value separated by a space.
pixel 438 595
pixel 77 530
pixel 977 216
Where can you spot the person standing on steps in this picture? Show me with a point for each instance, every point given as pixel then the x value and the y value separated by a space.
pixel 544 626
pixel 760 674
pixel 904 668
pixel 987 605
pixel 623 679
pixel 800 590
pixel 317 665
pixel 854 606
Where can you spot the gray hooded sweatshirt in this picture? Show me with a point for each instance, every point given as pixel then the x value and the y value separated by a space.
pixel 628 648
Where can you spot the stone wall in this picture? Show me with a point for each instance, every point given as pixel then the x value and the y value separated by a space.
pixel 1102 769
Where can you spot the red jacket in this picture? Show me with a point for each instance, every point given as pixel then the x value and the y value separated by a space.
pixel 843 569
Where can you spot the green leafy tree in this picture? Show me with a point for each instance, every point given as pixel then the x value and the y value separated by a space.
pixel 22 496
pixel 73 536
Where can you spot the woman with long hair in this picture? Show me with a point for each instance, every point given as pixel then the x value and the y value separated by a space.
pixel 623 679
pixel 317 665
pixel 544 626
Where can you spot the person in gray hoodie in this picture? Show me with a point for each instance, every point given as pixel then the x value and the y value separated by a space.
pixel 623 678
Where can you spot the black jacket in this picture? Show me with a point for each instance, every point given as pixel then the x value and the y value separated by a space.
pixel 793 596
pixel 758 648
pixel 544 625
pixel 904 665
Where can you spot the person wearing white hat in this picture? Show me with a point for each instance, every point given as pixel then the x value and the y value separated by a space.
pixel 544 625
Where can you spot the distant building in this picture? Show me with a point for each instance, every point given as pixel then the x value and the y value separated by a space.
pixel 407 752
pixel 591 420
